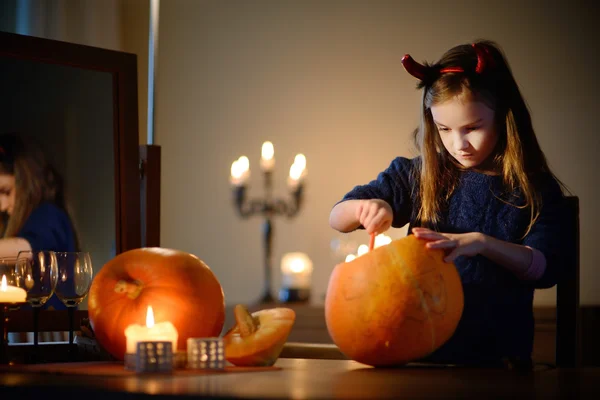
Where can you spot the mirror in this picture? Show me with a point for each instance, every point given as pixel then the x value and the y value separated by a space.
pixel 80 103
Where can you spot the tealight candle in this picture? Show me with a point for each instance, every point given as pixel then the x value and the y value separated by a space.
pixel 159 332
pixel 296 270
pixel 11 294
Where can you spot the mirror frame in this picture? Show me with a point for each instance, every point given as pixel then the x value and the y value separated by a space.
pixel 123 67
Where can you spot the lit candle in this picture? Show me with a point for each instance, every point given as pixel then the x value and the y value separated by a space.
pixel 162 331
pixel 11 294
pixel 240 171
pixel 362 249
pixel 297 171
pixel 350 257
pixel 296 271
pixel 382 240
pixel 267 159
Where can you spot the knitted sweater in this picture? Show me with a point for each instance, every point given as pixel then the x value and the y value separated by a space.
pixel 497 321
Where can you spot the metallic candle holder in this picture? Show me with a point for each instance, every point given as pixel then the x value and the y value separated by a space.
pixel 154 357
pixel 205 353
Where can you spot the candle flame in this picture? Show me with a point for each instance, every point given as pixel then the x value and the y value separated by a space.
pixel 267 151
pixel 300 161
pixel 149 317
pixel 382 240
pixel 244 163
pixel 297 266
pixel 4 285
pixel 236 169
pixel 362 249
pixel 295 172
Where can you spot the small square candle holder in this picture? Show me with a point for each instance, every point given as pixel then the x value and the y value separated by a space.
pixel 205 353
pixel 154 357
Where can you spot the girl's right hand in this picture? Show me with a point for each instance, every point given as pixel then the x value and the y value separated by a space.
pixel 374 215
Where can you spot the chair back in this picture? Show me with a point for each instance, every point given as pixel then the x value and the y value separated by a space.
pixel 568 313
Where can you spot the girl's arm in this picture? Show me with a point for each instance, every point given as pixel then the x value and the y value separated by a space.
pixel 343 216
pixel 514 257
pixel 375 215
pixel 10 247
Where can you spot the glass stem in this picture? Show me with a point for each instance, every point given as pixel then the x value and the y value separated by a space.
pixel 36 320
pixel 71 323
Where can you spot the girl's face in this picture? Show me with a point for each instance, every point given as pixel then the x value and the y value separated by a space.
pixel 7 193
pixel 467 129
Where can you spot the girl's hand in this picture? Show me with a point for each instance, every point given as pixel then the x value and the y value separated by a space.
pixel 374 215
pixel 457 244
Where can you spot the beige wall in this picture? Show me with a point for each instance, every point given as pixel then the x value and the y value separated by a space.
pixel 324 78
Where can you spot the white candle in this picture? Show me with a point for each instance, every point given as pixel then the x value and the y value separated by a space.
pixel 297 171
pixel 240 171
pixel 11 294
pixel 296 271
pixel 162 331
pixel 267 159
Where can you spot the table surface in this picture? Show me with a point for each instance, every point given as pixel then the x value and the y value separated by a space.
pixel 300 379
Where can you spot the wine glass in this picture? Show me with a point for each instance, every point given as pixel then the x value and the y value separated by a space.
pixel 74 281
pixel 38 272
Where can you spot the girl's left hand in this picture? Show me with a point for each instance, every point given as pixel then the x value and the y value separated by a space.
pixel 458 244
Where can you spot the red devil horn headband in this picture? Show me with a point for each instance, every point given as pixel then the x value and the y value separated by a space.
pixel 420 71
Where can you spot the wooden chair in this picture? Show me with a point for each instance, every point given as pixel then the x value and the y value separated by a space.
pixel 568 313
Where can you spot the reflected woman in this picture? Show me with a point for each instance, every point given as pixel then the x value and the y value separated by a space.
pixel 34 209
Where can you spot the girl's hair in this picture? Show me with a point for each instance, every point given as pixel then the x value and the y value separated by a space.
pixel 476 72
pixel 36 182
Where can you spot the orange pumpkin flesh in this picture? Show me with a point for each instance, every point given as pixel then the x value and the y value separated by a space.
pixel 394 304
pixel 258 338
pixel 180 288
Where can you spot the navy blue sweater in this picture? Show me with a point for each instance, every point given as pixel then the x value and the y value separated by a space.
pixel 49 228
pixel 497 321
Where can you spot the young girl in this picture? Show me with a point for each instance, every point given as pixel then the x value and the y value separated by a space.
pixel 32 202
pixel 482 191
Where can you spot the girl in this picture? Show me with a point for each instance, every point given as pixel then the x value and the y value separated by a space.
pixel 33 204
pixel 482 191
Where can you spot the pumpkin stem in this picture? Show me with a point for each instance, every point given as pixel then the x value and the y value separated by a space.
pixel 247 323
pixel 132 289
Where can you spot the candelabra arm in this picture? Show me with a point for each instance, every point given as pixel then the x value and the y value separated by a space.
pixel 244 208
pixel 297 197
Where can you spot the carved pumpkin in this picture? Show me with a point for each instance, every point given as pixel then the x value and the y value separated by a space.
pixel 394 304
pixel 257 339
pixel 180 288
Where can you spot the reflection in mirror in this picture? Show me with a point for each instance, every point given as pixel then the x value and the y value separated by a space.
pixel 69 112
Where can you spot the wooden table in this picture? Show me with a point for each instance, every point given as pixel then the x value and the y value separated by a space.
pixel 302 379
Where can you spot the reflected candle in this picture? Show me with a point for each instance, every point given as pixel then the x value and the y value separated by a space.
pixel 11 294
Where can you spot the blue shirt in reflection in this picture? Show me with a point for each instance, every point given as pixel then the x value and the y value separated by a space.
pixel 49 228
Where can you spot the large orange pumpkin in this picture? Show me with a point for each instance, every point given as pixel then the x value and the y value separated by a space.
pixel 394 304
pixel 179 286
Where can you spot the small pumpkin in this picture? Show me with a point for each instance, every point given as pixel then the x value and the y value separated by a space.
pixel 257 339
pixel 179 286
pixel 394 304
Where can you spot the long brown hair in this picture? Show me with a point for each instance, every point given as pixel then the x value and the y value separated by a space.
pixel 36 181
pixel 496 87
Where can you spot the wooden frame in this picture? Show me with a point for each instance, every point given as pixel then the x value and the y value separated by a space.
pixel 123 67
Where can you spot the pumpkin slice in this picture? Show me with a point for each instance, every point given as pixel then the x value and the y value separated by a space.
pixel 258 338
